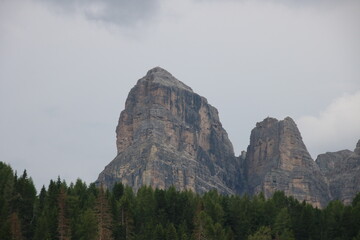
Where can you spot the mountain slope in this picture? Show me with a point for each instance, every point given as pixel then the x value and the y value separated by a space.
pixel 168 135
pixel 342 170
pixel 277 159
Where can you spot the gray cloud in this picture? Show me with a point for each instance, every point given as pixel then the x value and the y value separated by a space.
pixel 119 12
pixel 336 128
pixel 289 2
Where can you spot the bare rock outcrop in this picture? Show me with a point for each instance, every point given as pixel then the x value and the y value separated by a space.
pixel 170 136
pixel 277 159
pixel 167 135
pixel 342 170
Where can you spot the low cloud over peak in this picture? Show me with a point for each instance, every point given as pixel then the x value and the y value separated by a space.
pixel 334 128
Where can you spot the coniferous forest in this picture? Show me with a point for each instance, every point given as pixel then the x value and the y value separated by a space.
pixel 79 211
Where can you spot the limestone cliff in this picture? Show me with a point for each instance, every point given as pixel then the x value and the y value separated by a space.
pixel 277 159
pixel 342 170
pixel 168 135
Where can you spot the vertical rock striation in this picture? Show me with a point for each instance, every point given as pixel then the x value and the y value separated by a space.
pixel 277 159
pixel 168 135
pixel 342 170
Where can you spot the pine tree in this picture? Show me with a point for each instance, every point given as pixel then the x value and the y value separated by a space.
pixel 218 232
pixel 159 232
pixel 87 226
pixel 15 227
pixel 282 226
pixel 126 212
pixel 118 191
pixel 103 215
pixel 63 222
pixel 199 232
pixel 202 223
pixel 264 233
pixel 7 180
pixel 212 206
pixel 171 232
pixel 23 202
pixel 42 228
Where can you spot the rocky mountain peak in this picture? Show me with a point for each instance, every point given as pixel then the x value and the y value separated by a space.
pixel 161 76
pixel 270 122
pixel 277 159
pixel 168 135
pixel 267 122
pixel 342 171
pixel 357 149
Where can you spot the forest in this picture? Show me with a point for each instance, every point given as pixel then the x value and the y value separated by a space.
pixel 78 211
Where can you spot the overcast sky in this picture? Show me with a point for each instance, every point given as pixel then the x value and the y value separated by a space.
pixel 66 68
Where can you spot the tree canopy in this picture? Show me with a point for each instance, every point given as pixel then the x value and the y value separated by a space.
pixel 88 212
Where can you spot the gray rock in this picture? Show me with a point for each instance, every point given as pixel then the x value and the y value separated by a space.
pixel 170 136
pixel 277 159
pixel 342 171
pixel 167 135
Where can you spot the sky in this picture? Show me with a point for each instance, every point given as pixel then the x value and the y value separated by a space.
pixel 66 68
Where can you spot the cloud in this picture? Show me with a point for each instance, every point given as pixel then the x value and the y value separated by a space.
pixel 337 127
pixel 119 12
pixel 289 2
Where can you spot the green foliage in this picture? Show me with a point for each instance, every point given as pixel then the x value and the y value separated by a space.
pixel 86 212
pixel 171 232
pixel 282 226
pixel 264 233
pixel 87 227
pixel 159 233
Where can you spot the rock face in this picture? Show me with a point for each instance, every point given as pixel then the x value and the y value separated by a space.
pixel 342 170
pixel 168 135
pixel 277 159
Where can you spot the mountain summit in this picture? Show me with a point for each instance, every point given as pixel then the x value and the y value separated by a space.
pixel 277 159
pixel 168 135
pixel 161 76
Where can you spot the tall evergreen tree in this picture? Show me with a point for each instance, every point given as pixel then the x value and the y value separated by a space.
pixel 171 232
pixel 264 233
pixel 15 227
pixel 126 212
pixel 63 221
pixel 42 231
pixel 103 215
pixel 282 226
pixel 159 233
pixel 7 180
pixel 87 227
pixel 23 203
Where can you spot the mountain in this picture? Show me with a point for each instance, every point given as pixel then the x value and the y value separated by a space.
pixel 342 171
pixel 168 135
pixel 277 159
